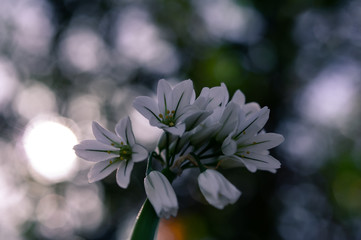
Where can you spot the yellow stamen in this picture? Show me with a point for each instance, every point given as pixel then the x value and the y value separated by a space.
pixel 244 132
pixel 168 111
pixel 173 111
pixel 171 124
pixel 121 143
pixel 112 144
pixel 122 158
pixel 242 156
pixel 247 152
pixel 254 142
pixel 160 115
pixel 108 152
pixel 124 152
pixel 110 161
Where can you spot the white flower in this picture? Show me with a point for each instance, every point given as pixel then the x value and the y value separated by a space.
pixel 219 124
pixel 248 146
pixel 247 108
pixel 208 100
pixel 217 190
pixel 112 151
pixel 214 97
pixel 161 194
pixel 171 108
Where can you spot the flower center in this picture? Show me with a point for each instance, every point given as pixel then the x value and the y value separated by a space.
pixel 168 118
pixel 125 152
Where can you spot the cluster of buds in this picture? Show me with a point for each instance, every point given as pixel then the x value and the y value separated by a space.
pixel 207 132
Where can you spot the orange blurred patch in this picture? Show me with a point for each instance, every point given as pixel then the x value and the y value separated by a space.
pixel 171 229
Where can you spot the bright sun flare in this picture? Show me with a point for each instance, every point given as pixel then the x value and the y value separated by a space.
pixel 49 147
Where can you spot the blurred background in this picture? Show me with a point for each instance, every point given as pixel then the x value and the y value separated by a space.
pixel 66 63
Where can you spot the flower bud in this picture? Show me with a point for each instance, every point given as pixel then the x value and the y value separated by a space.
pixel 217 190
pixel 161 194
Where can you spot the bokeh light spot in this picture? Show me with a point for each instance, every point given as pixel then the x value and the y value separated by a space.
pixel 329 99
pixel 136 34
pixel 48 145
pixel 143 131
pixel 88 56
pixel 8 82
pixel 34 100
pixel 226 19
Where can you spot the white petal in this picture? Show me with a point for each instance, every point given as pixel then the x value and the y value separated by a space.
pixel 208 185
pixel 94 151
pixel 100 170
pixel 217 190
pixel 251 107
pixel 139 153
pixel 125 131
pixel 219 95
pixel 200 103
pixel 205 92
pixel 262 162
pixel 239 98
pixel 253 124
pixel 229 146
pixel 215 97
pixel 147 107
pixel 161 194
pixel 123 173
pixel 193 97
pixel 228 190
pixel 194 119
pixel 250 165
pixel 181 97
pixel 228 120
pixel 177 130
pixel 164 99
pixel 236 161
pixel 230 162
pixel 103 135
pixel 203 134
pixel 262 142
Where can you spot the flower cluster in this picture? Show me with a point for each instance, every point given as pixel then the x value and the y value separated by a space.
pixel 205 132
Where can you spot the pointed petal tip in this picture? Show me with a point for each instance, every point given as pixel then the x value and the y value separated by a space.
pixel 282 138
pixel 95 125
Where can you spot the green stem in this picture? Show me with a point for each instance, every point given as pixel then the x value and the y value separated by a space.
pixel 174 152
pixel 167 149
pixel 146 223
pixel 200 165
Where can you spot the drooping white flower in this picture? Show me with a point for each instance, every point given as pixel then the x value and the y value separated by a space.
pixel 170 110
pixel 161 194
pixel 112 151
pixel 217 190
pixel 248 146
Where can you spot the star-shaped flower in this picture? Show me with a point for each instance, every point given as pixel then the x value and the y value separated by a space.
pixel 112 151
pixel 248 145
pixel 171 107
